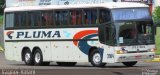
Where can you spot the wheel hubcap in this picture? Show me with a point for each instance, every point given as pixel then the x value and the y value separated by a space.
pixel 96 58
pixel 27 57
pixel 37 57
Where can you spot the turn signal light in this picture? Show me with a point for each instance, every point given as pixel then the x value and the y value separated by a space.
pixel 153 49
pixel 119 52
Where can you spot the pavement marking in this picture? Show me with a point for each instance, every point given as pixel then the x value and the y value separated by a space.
pixel 1 49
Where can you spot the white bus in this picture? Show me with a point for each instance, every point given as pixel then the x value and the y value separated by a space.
pixel 67 34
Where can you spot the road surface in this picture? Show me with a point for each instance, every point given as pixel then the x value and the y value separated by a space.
pixel 19 68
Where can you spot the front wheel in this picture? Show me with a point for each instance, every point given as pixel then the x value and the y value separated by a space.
pixel 129 64
pixel 96 59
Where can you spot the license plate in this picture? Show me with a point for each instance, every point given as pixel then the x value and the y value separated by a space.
pixel 138 57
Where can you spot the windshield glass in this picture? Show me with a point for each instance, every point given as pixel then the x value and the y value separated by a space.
pixel 135 33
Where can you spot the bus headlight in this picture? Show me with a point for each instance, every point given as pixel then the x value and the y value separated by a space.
pixel 119 52
pixel 153 49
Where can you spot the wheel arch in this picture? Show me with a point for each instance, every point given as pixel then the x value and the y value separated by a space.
pixel 35 48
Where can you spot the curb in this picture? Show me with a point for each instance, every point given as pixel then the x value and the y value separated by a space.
pixel 1 49
pixel 156 60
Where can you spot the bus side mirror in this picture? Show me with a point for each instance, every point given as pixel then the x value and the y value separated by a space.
pixel 101 34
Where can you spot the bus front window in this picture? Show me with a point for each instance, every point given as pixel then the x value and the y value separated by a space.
pixel 133 33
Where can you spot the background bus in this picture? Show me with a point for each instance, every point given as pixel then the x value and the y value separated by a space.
pixel 67 34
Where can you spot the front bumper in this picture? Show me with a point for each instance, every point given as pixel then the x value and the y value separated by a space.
pixel 134 57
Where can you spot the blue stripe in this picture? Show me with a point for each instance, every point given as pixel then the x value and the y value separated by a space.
pixel 83 45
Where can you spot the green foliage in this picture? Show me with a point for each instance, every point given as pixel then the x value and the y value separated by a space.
pixel 156 15
pixel 1 20
pixel 1 6
pixel 2 1
pixel 158 41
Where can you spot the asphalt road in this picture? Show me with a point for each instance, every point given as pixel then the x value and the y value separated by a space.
pixel 19 68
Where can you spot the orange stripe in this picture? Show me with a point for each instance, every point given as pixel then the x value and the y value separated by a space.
pixel 81 34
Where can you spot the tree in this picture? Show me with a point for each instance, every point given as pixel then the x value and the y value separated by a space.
pixel 156 15
pixel 2 6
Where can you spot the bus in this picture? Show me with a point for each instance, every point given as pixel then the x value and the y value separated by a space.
pixel 119 32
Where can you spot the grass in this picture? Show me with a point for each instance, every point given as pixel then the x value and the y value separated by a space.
pixel 1 20
pixel 158 41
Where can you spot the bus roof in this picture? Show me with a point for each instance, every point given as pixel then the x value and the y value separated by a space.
pixel 109 5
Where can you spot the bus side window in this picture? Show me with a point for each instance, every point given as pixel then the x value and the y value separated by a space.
pixel 73 17
pixel 35 18
pixel 79 17
pixel 57 21
pixel 104 16
pixel 9 20
pixel 47 18
pixel 17 19
pixel 65 17
pixel 43 19
pixel 90 16
pixel 20 19
pixel 61 18
pixel 87 16
pixel 29 19
pixel 94 16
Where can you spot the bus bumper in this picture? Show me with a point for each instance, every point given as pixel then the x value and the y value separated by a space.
pixel 134 57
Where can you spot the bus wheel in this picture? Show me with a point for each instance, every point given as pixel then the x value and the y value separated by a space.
pixel 129 64
pixel 66 63
pixel 95 59
pixel 38 58
pixel 27 55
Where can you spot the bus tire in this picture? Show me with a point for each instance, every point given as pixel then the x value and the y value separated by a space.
pixel 129 64
pixel 96 59
pixel 38 57
pixel 66 63
pixel 27 55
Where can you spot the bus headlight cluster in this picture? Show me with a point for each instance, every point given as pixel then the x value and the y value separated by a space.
pixel 153 49
pixel 119 52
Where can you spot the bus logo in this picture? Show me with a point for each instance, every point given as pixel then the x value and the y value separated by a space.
pixel 84 35
pixel 9 34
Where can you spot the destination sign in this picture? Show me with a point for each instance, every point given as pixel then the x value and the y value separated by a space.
pixel 131 14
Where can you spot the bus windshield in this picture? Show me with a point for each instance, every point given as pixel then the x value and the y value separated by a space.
pixel 135 33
